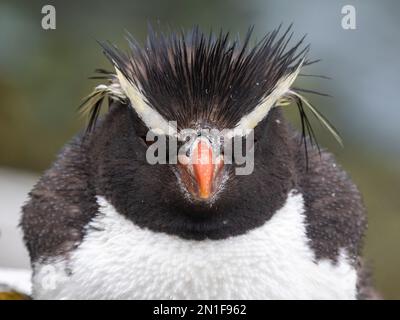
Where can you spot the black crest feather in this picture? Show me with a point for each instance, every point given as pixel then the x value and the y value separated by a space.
pixel 192 75
pixel 197 77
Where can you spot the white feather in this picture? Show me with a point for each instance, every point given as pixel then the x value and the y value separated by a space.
pixel 251 120
pixel 119 260
pixel 153 120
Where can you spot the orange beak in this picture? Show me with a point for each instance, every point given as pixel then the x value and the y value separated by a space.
pixel 203 168
pixel 200 171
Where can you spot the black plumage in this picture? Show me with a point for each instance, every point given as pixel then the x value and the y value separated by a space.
pixel 193 78
pixel 189 77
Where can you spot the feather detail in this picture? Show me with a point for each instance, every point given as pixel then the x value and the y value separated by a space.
pixel 195 79
pixel 153 120
pixel 320 117
pixel 92 104
pixel 251 120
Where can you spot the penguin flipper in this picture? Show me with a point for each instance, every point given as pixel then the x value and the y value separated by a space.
pixel 60 205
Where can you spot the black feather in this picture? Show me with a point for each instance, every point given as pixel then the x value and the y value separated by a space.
pixel 195 78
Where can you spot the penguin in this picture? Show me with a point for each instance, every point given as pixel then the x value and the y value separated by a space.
pixel 105 222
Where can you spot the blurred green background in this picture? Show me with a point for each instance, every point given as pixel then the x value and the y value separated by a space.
pixel 43 76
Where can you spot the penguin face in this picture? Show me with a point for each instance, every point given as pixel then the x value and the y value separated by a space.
pixel 157 197
pixel 199 83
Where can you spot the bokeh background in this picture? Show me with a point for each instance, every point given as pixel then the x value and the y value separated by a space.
pixel 43 76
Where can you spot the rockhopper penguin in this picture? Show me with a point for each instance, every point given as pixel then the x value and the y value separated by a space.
pixel 105 223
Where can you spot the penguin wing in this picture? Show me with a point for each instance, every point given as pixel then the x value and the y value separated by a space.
pixel 335 213
pixel 60 205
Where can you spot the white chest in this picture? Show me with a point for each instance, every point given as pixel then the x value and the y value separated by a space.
pixel 123 261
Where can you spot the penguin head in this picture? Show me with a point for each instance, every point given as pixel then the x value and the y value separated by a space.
pixel 194 143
